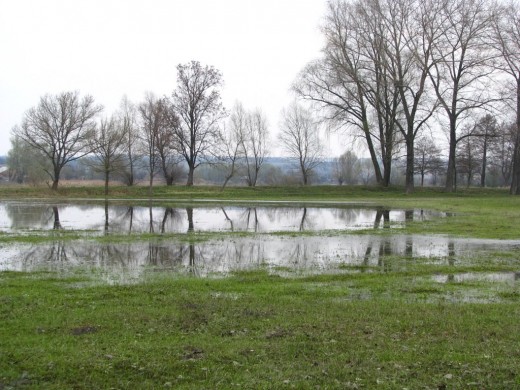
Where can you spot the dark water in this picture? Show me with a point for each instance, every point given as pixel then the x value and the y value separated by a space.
pixel 117 218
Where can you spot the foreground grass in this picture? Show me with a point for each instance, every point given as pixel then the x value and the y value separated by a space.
pixel 255 330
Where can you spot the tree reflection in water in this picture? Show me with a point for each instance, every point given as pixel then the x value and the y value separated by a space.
pixel 130 260
pixel 56 213
pixel 117 218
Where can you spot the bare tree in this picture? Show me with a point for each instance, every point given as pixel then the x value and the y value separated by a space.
pixel 507 41
pixel 347 168
pixel 231 142
pixel 351 85
pixel 487 128
pixel 254 145
pixel 108 148
pixel 152 112
pixel 198 104
pixel 26 164
pixel 299 136
pixel 427 157
pixel 60 128
pixel 468 158
pixel 413 29
pixel 462 67
pixel 503 149
pixel 165 144
pixel 127 123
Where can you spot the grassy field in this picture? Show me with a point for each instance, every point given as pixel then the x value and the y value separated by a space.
pixel 389 327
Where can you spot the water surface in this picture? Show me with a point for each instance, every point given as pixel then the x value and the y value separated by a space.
pixel 118 218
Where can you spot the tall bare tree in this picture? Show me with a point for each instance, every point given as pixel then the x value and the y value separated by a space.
pixel 299 136
pixel 108 148
pixel 152 112
pixel 351 84
pixel 507 41
pixel 254 145
pixel 502 151
pixel 60 127
pixel 127 123
pixel 165 144
pixel 197 102
pixel 462 67
pixel 412 29
pixel 487 128
pixel 230 150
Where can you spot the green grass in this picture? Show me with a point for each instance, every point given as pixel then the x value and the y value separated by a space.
pixel 255 330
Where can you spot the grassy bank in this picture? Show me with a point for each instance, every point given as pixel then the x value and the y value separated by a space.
pixel 255 330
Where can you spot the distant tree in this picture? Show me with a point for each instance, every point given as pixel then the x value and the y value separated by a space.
pixel 366 171
pixel 197 102
pixel 427 158
pixel 60 128
pixel 25 164
pixel 152 112
pixel 487 128
pixel 165 144
pixel 347 168
pixel 230 152
pixel 254 145
pixel 468 158
pixel 299 136
pixel 502 151
pixel 127 123
pixel 507 41
pixel 108 148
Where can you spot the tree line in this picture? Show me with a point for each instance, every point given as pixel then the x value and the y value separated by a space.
pixel 163 133
pixel 391 73
pixel 393 69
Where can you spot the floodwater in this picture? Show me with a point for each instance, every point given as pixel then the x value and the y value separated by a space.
pixel 129 262
pixel 324 251
pixel 117 218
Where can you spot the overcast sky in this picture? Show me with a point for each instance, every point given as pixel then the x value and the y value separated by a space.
pixel 108 48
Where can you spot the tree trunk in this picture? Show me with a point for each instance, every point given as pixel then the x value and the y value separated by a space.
pixel 484 163
pixel 189 183
pixel 515 180
pixel 410 166
pixel 387 166
pixel 56 178
pixel 372 151
pixel 451 173
pixel 107 174
pixel 150 185
pixel 191 226
pixel 304 173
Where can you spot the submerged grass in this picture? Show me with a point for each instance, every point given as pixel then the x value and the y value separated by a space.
pixel 255 330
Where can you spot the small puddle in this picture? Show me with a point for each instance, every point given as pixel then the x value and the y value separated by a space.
pixel 117 218
pixel 493 277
